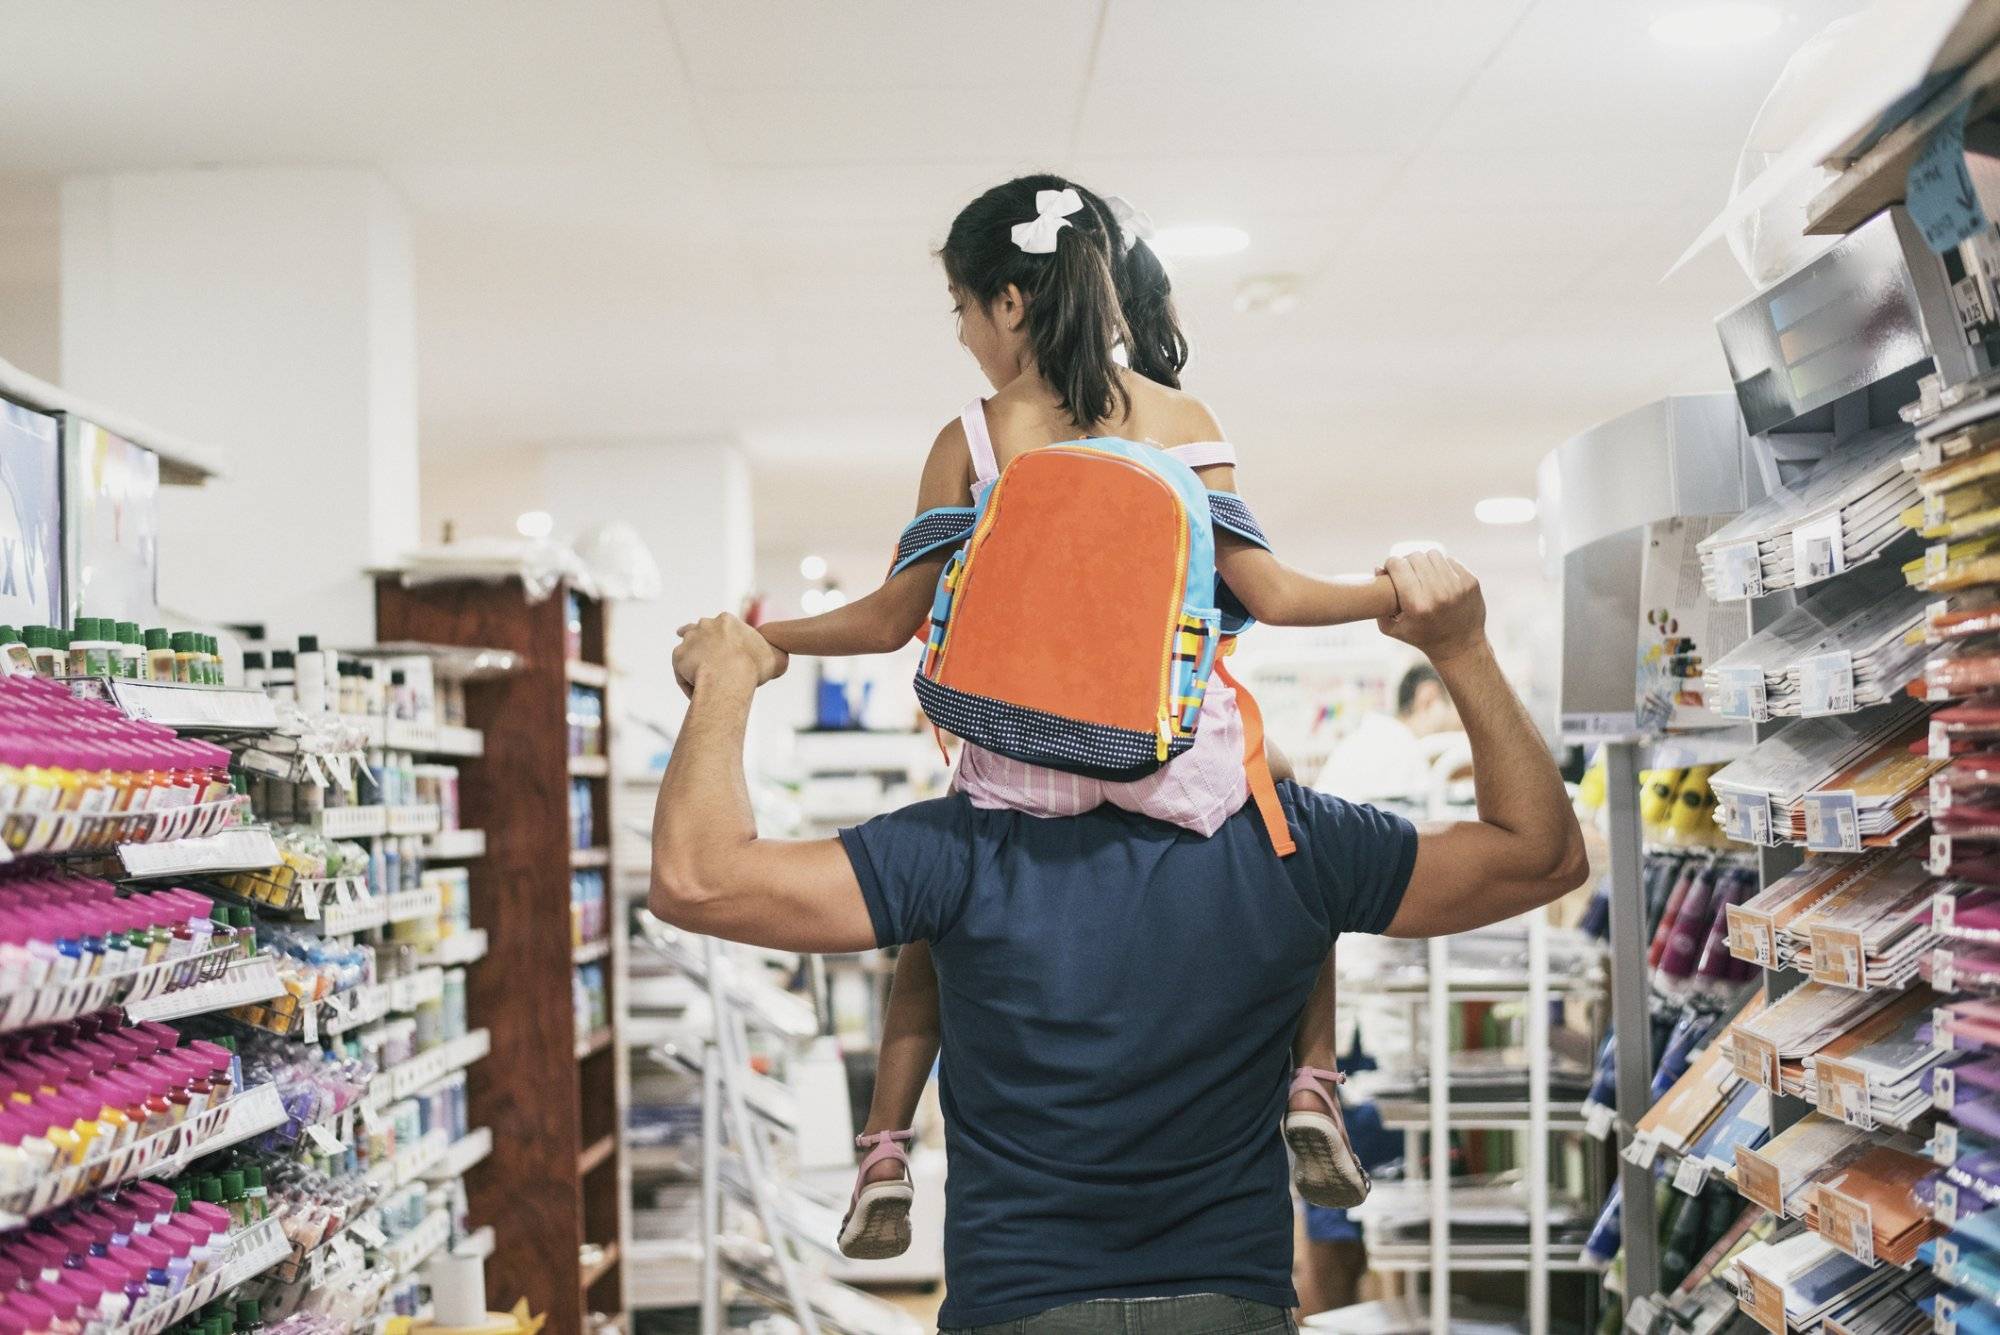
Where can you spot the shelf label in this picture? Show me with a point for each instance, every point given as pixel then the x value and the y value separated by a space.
pixel 1938 743
pixel 1749 935
pixel 1937 559
pixel 1831 823
pixel 1691 1176
pixel 1944 1206
pixel 1848 1224
pixel 1755 1059
pixel 1945 1265
pixel 324 1139
pixel 1763 1300
pixel 1944 1318
pixel 1930 454
pixel 1837 958
pixel 1934 516
pixel 366 1229
pixel 1746 817
pixel 1939 862
pixel 1943 1145
pixel 1940 795
pixel 195 707
pixel 1826 684
pixel 1598 1120
pixel 1944 970
pixel 1944 1088
pixel 1818 551
pixel 1843 1092
pixel 1941 1039
pixel 1758 1179
pixel 1739 693
pixel 1941 198
pixel 1642 1150
pixel 247 848
pixel 1944 910
pixel 1739 572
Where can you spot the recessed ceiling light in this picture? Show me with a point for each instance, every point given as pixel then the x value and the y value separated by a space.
pixel 1505 510
pixel 1723 23
pixel 536 524
pixel 1199 240
pixel 1268 294
pixel 1416 545
pixel 813 567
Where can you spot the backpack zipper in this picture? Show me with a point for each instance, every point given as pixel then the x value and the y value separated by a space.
pixel 1167 718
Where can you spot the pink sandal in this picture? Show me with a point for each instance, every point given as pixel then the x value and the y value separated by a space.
pixel 1324 1164
pixel 877 1225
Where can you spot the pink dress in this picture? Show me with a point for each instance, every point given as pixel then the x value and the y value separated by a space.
pixel 1197 790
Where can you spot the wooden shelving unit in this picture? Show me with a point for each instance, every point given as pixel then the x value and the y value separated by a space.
pixel 556 1182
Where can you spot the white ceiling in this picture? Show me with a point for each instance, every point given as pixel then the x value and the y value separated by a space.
pixel 715 217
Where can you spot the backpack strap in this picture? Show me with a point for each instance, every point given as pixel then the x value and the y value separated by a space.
pixel 979 441
pixel 945 526
pixel 1263 788
pixel 1205 453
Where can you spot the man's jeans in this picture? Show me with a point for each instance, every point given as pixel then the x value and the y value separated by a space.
pixel 1196 1314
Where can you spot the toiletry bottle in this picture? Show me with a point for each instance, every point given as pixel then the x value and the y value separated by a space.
pixel 253 669
pixel 280 680
pixel 310 674
pixel 131 651
pixel 159 655
pixel 15 660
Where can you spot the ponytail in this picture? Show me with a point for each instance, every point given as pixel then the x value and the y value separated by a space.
pixel 1154 343
pixel 1074 317
pixel 1074 323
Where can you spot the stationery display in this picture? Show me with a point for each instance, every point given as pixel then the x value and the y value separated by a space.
pixel 1852 644
pixel 1835 784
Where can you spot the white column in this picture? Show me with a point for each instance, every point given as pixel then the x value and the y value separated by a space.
pixel 272 312
pixel 690 503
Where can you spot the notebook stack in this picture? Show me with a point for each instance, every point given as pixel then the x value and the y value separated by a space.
pixel 1836 784
pixel 1872 929
pixel 1845 513
pixel 1793 1282
pixel 1879 1072
pixel 1770 1048
pixel 1869 1206
pixel 1855 643
pixel 1709 1110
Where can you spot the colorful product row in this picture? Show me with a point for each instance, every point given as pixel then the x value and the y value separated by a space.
pixel 62 754
pixel 57 929
pixel 106 647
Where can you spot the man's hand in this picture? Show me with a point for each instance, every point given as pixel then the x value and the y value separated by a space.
pixel 725 648
pixel 1443 612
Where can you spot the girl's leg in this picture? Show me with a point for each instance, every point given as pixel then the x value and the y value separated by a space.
pixel 877 1225
pixel 1316 1042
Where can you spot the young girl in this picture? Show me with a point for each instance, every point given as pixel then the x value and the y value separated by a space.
pixel 1047 281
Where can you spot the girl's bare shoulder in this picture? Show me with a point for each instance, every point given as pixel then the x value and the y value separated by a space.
pixel 1172 416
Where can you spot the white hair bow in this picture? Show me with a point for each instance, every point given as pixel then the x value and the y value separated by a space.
pixel 1052 209
pixel 1135 223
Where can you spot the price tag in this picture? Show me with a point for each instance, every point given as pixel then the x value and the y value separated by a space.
pixel 1818 551
pixel 1836 953
pixel 1945 1266
pixel 1939 862
pixel 1755 1059
pixel 1943 1145
pixel 1691 1176
pixel 367 1230
pixel 1944 1317
pixel 1747 817
pixel 1842 1091
pixel 1641 1313
pixel 1944 1088
pixel 1934 515
pixel 1749 935
pixel 1740 693
pixel 1938 744
pixel 1930 454
pixel 1848 1224
pixel 1598 1120
pixel 1826 684
pixel 1831 823
pixel 1944 1206
pixel 1739 572
pixel 1940 795
pixel 324 1140
pixel 1944 970
pixel 1941 1038
pixel 309 1021
pixel 1937 558
pixel 1764 1301
pixel 1944 910
pixel 1758 1180
pixel 1642 1149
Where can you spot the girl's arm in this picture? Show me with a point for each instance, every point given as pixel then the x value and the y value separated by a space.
pixel 1278 595
pixel 885 620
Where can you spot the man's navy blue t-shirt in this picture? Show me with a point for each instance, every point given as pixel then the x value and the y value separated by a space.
pixel 1118 999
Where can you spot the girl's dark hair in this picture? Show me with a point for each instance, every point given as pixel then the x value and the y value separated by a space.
pixel 1155 347
pixel 1075 316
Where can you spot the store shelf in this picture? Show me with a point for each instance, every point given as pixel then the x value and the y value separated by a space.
pixel 63 1001
pixel 75 834
pixel 590 952
pixel 455 846
pixel 590 857
pixel 427 1068
pixel 596 1041
pixel 464 1154
pixel 665 1272
pixel 248 1114
pixel 361 822
pixel 403 1255
pixel 589 767
pixel 605 1263
pixel 579 673
pixel 1491 1257
pixel 244 982
pixel 245 848
pixel 196 708
pixel 252 1251
pixel 1414 1115
pixel 595 1154
pixel 460 948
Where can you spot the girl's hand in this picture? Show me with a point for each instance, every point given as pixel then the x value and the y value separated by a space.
pixel 725 649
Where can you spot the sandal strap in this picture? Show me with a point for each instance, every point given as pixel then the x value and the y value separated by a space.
pixel 1314 1080
pixel 881 1146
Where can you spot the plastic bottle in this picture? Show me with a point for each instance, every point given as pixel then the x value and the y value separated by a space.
pixel 253 669
pixel 92 647
pixel 280 680
pixel 217 674
pixel 310 673
pixel 15 661
pixel 159 654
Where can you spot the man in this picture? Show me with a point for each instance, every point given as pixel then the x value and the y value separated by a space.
pixel 1117 996
pixel 1390 758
